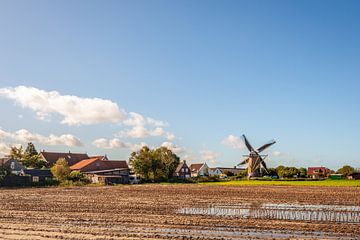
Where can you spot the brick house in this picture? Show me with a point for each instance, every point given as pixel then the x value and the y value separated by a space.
pixel 182 170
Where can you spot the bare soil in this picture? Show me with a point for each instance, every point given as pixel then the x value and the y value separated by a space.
pixel 151 212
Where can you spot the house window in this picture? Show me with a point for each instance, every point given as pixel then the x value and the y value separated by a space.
pixel 186 170
pixel 35 178
pixel 182 170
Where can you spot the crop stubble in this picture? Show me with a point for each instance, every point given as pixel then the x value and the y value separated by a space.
pixel 150 211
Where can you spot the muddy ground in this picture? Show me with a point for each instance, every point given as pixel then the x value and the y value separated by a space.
pixel 151 212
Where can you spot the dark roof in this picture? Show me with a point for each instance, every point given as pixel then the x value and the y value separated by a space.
pixel 180 166
pixel 71 158
pixel 38 172
pixel 116 164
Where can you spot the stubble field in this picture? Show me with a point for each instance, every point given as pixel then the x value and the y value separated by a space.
pixel 157 212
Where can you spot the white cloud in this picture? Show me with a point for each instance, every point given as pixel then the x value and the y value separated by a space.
pixel 74 110
pixel 209 156
pixel 136 119
pixel 174 148
pixel 116 143
pixel 24 135
pixel 4 149
pixel 234 142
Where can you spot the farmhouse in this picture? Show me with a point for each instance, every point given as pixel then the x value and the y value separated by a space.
pixel 71 158
pixel 199 170
pixel 318 172
pixel 182 170
pixel 100 170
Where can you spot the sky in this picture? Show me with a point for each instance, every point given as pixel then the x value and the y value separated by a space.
pixel 108 77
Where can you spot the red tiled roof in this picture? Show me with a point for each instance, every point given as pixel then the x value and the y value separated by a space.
pixel 83 163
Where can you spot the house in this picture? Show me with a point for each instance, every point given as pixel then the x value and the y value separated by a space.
pixel 37 176
pixel 11 165
pixel 182 171
pixel 71 158
pixel 97 164
pixel 318 172
pixel 355 176
pixel 217 171
pixel 103 171
pixel 111 176
pixel 199 170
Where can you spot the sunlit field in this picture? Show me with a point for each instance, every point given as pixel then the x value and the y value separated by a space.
pixel 332 183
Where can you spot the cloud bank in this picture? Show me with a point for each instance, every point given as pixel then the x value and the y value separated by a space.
pixel 24 135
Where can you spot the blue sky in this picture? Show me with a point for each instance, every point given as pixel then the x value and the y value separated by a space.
pixel 287 70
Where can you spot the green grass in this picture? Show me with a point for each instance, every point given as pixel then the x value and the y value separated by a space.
pixel 329 183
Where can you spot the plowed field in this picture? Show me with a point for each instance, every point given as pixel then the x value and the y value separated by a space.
pixel 153 212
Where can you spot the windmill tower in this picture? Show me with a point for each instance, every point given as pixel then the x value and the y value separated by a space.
pixel 254 159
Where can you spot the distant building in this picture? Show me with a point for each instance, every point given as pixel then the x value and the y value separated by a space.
pixel 355 176
pixel 38 176
pixel 110 176
pixel 182 171
pixel 318 172
pixel 11 165
pixel 71 158
pixel 217 171
pixel 100 170
pixel 199 170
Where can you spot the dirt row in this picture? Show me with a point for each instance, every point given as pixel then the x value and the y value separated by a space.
pixel 150 211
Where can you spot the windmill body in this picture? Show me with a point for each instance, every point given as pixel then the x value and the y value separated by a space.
pixel 254 160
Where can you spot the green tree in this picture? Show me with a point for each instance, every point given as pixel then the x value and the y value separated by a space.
pixel 154 165
pixel 302 172
pixel 77 176
pixel 17 153
pixel 345 170
pixel 242 174
pixel 61 170
pixel 31 158
pixel 168 161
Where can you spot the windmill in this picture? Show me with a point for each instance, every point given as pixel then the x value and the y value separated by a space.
pixel 254 159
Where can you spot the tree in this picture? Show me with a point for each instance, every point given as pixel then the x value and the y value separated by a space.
pixel 346 170
pixel 77 176
pixel 168 161
pixel 29 158
pixel 302 172
pixel 242 173
pixel 30 150
pixel 17 153
pixel 229 174
pixel 154 165
pixel 61 169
